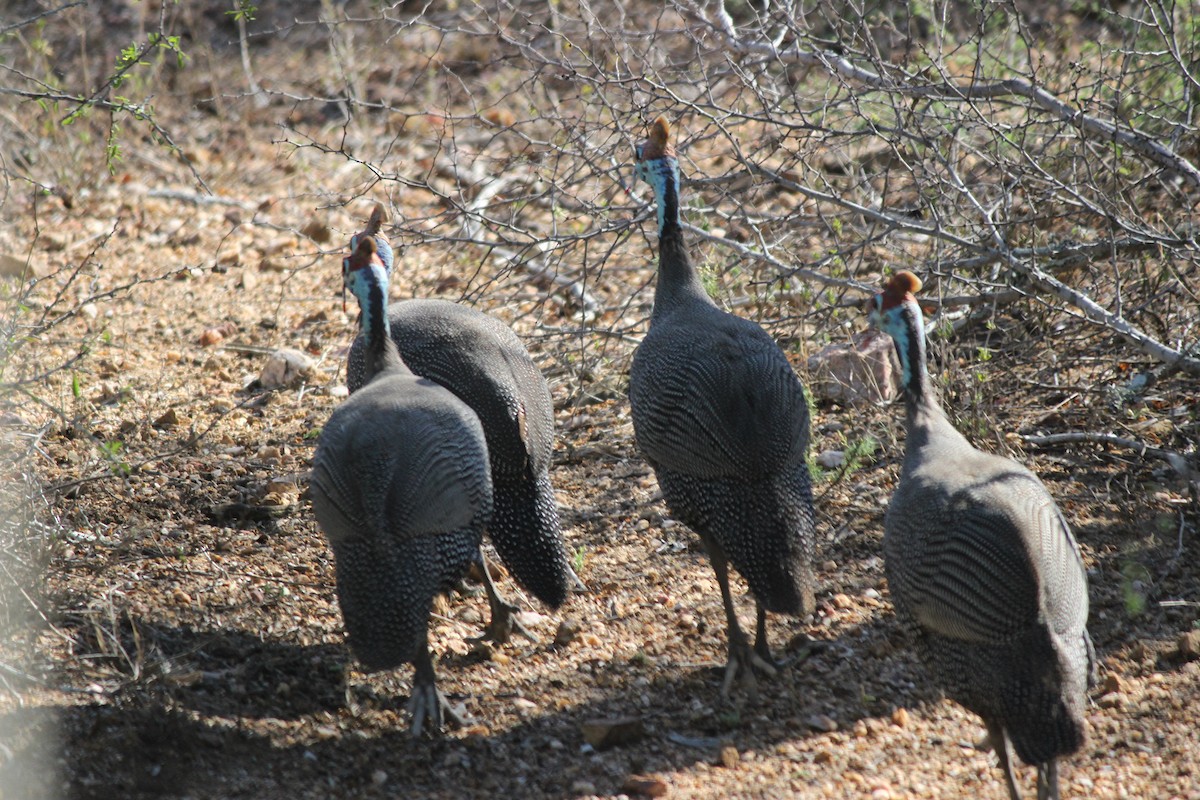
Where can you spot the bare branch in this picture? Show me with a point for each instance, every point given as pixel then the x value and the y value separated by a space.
pixel 836 64
pixel 1181 464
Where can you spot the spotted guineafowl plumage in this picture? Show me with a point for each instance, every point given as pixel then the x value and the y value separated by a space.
pixel 400 485
pixel 485 365
pixel 983 569
pixel 721 417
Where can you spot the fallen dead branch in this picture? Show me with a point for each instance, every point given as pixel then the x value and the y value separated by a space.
pixel 1180 463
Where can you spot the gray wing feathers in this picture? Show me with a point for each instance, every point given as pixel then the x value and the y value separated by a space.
pixel 974 582
pixel 485 365
pixel 988 562
pixel 738 412
pixel 400 465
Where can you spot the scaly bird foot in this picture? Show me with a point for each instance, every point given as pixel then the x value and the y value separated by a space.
pixel 504 622
pixel 745 659
pixel 430 705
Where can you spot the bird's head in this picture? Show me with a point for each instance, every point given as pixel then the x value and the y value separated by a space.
pixel 888 308
pixel 655 157
pixel 374 231
pixel 362 270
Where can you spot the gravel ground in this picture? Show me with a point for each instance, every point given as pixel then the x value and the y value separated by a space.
pixel 185 641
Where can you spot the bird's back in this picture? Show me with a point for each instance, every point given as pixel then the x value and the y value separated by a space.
pixel 484 364
pixel 982 566
pixel 713 396
pixel 401 487
pixel 721 416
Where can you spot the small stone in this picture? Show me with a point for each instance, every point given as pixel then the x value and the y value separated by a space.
pixel 829 566
pixel 604 733
pixel 822 722
pixel 823 757
pixel 831 459
pixel 13 267
pixel 379 777
pixel 644 786
pixel 167 420
pixel 500 116
pixel 568 629
pixel 180 597
pixel 1112 683
pixel 1114 700
pixel 729 756
pixel 842 601
pixel 285 367
pixel 583 787
pixel 1188 645
pixel 900 717
pixel 524 704
pixel 317 231
pixel 211 336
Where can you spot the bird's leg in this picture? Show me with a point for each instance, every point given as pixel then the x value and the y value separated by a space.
pixel 1047 780
pixel 999 741
pixel 741 655
pixel 761 648
pixel 427 702
pixel 504 614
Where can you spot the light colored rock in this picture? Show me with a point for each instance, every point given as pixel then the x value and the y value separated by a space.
pixel 862 370
pixel 1188 645
pixel 831 459
pixel 14 267
pixel 285 367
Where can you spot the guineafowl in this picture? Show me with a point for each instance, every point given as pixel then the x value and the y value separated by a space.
pixel 720 415
pixel 401 487
pixel 984 571
pixel 482 361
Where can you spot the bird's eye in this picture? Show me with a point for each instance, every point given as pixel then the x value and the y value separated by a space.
pixel 638 149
